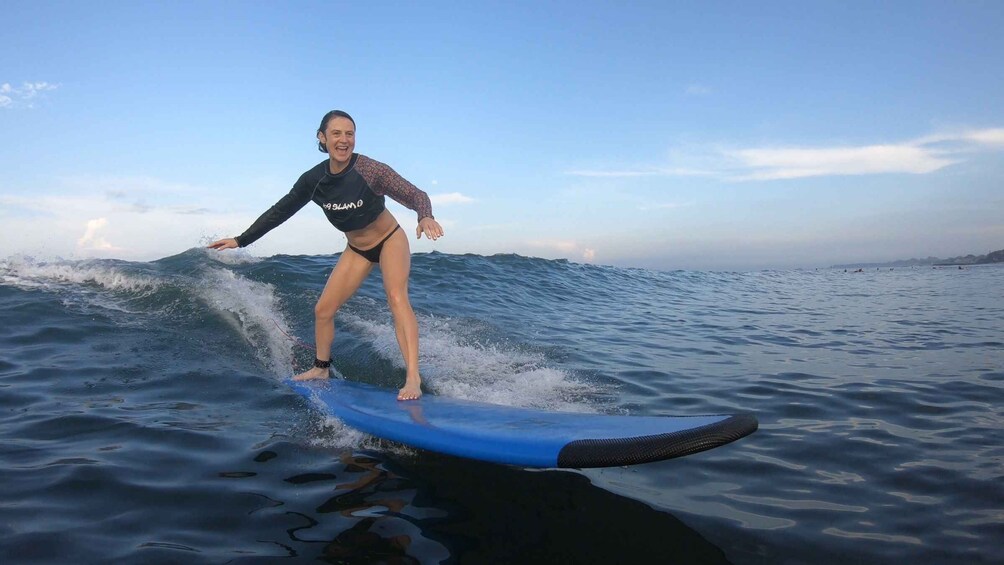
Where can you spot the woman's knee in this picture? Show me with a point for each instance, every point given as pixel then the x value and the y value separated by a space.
pixel 324 311
pixel 397 300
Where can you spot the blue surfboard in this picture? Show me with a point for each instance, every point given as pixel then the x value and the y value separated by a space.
pixel 522 436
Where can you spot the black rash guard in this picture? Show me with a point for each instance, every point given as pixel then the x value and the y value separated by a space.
pixel 351 200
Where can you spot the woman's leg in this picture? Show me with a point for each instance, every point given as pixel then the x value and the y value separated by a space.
pixel 395 264
pixel 348 274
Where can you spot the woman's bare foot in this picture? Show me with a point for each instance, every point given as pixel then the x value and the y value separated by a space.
pixel 312 373
pixel 412 390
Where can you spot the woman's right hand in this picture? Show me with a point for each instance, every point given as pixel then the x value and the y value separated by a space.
pixel 228 243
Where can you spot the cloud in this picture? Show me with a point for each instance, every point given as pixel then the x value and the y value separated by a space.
pixel 508 226
pixel 23 96
pixel 664 206
pixel 125 187
pixel 696 89
pixel 190 210
pixel 134 194
pixel 988 138
pixel 80 220
pixel 623 173
pixel 565 248
pixel 919 156
pixel 93 240
pixel 789 163
pixel 450 198
pixel 652 172
pixel 993 136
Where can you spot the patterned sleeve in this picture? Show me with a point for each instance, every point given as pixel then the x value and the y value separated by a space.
pixel 384 180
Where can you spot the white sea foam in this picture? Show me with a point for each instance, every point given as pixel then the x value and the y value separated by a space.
pixel 454 367
pixel 252 309
pixel 332 433
pixel 231 256
pixel 26 272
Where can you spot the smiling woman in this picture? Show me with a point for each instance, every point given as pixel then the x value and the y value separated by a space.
pixel 350 189
pixel 344 139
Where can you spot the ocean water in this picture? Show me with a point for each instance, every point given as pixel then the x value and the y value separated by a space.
pixel 143 418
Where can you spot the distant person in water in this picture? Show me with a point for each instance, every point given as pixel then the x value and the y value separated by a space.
pixel 350 188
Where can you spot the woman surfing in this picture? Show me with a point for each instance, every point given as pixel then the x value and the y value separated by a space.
pixel 350 189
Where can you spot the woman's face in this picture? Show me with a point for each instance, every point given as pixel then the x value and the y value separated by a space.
pixel 339 138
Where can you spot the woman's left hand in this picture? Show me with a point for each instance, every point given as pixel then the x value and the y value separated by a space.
pixel 430 228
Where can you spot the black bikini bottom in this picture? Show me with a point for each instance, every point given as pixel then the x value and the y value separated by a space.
pixel 373 253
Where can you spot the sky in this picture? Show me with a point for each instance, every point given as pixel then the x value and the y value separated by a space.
pixel 662 135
